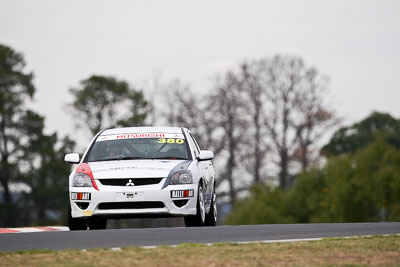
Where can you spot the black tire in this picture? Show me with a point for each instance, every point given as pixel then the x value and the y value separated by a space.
pixel 75 223
pixel 211 217
pixel 199 218
pixel 97 223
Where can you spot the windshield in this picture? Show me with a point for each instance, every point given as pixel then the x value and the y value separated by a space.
pixel 134 146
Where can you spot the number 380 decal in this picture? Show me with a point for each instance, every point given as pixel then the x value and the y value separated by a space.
pixel 170 141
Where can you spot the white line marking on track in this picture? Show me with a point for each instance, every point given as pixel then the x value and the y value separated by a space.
pixel 149 247
pixel 279 240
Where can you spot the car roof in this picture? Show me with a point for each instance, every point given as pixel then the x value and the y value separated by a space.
pixel 147 129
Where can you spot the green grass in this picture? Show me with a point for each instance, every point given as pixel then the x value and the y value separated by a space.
pixel 362 251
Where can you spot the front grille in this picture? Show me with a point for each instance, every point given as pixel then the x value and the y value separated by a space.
pixel 135 181
pixel 131 205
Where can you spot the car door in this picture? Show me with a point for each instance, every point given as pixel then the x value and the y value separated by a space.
pixel 208 173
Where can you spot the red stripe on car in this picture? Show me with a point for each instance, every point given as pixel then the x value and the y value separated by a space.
pixel 85 168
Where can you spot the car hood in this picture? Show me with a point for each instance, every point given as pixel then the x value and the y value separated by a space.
pixel 133 168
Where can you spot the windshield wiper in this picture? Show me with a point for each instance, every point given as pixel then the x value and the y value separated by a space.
pixel 109 159
pixel 169 158
pixel 119 158
pixel 129 158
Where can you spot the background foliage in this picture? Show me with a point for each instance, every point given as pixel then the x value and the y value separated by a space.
pixel 360 182
pixel 32 171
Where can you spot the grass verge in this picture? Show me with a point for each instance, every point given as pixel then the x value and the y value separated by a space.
pixel 361 251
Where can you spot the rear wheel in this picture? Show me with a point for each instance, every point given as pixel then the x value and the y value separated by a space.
pixel 211 217
pixel 75 223
pixel 97 223
pixel 199 218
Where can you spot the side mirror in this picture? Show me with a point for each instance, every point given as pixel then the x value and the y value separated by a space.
pixel 72 158
pixel 205 155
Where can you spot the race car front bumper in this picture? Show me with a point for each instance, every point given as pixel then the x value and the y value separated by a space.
pixel 134 201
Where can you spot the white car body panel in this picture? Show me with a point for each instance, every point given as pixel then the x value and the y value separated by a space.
pixel 141 169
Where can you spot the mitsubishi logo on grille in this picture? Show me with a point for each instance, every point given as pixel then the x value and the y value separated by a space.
pixel 129 183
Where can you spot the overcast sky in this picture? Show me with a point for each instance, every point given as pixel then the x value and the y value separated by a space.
pixel 356 43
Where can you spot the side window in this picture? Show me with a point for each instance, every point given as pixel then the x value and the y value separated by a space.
pixel 196 143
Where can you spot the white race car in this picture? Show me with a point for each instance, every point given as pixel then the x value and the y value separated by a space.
pixel 140 172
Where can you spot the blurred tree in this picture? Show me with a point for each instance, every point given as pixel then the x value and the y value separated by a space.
pixel 296 116
pixel 227 106
pixel 45 173
pixel 362 186
pixel 105 102
pixel 15 86
pixel 287 103
pixel 281 77
pixel 31 162
pixel 264 204
pixel 360 134
pixel 313 116
pixel 253 88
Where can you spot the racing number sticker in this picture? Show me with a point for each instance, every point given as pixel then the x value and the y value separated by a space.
pixel 170 141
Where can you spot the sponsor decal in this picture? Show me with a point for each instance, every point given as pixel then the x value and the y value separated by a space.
pixel 87 212
pixel 182 193
pixel 141 135
pixel 207 199
pixel 80 196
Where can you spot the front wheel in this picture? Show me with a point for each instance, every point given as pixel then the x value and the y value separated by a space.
pixel 211 217
pixel 199 218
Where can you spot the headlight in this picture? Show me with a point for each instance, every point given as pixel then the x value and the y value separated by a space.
pixel 82 180
pixel 181 177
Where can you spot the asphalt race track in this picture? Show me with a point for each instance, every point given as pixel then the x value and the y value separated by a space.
pixel 173 236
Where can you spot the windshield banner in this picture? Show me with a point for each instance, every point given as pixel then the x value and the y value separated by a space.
pixel 138 135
